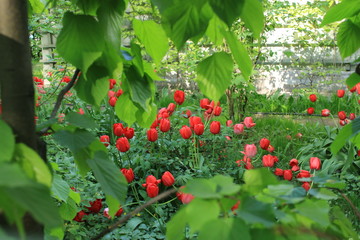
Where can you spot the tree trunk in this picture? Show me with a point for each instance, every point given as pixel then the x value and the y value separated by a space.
pixel 17 90
pixel 16 84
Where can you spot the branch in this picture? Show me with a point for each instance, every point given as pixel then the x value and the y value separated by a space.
pixel 133 213
pixel 63 92
pixel 357 213
pixel 60 98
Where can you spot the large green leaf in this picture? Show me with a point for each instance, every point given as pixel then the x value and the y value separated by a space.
pixel 258 179
pixel 197 213
pixel 125 109
pixel 36 6
pixel 202 188
pixel 7 142
pixel 140 87
pixel 89 7
pixel 32 164
pixel 345 9
pixel 240 54
pixel 110 19
pixel 214 30
pixel 60 188
pixel 93 87
pixel 348 131
pixel 253 211
pixel 153 37
pixel 75 140
pixel 353 79
pixel 214 75
pixel 68 210
pixel 109 176
pixel 30 195
pixel 184 19
pixel 316 210
pixel 253 16
pixel 227 10
pixel 80 41
pixel 348 38
pixel 146 118
pixel 340 219
pixel 81 121
pixel 225 229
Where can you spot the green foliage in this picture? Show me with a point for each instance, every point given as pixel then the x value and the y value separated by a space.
pixel 7 142
pixel 153 37
pixel 214 75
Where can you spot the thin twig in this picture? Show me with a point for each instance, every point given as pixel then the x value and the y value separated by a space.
pixel 63 92
pixel 60 97
pixel 357 213
pixel 133 213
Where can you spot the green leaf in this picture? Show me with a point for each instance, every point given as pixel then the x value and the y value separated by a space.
pixel 81 121
pixel 348 38
pixel 76 140
pixel 322 193
pixel 13 212
pixel 68 210
pixel 146 118
pixel 258 179
pixel 75 196
pixel 89 7
pixel 202 188
pixel 214 75
pixel 133 223
pixel 7 142
pixel 344 135
pixel 353 79
pixel 225 228
pixel 195 214
pixel 60 188
pixel 125 109
pixel 227 10
pixel 56 233
pixel 110 20
pixel 33 164
pixel 153 37
pixel 140 86
pixel 113 204
pixel 316 210
pixel 225 185
pixel 149 70
pixel 239 53
pixel 93 87
pixel 79 41
pixel 214 30
pixel 345 9
pixel 253 16
pixel 36 6
pixel 184 19
pixel 109 176
pixel 253 211
pixel 36 199
pixel 343 223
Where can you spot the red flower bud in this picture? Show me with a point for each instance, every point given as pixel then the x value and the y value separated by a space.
pixel 152 134
pixel 288 175
pixel 179 97
pixel 310 110
pixel 215 127
pixel 152 190
pixel 122 144
pixel 95 206
pixel 315 163
pixel 199 129
pixel 312 97
pixel 105 139
pixel 340 93
pixel 164 125
pixel 185 132
pixel 264 143
pixel 129 174
pixel 167 179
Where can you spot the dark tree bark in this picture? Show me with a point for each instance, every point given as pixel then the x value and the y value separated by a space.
pixel 17 90
pixel 16 84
